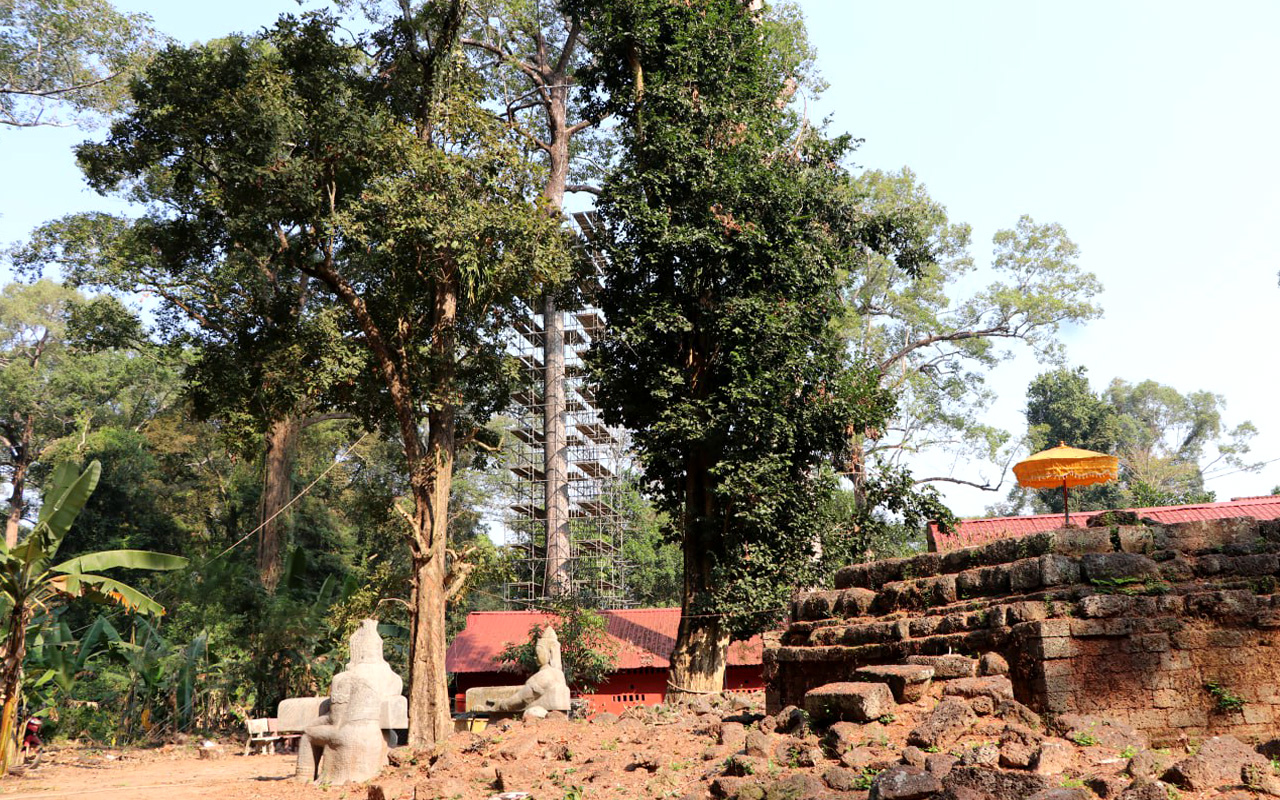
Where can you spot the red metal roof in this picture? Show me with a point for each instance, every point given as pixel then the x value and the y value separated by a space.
pixel 979 531
pixel 645 638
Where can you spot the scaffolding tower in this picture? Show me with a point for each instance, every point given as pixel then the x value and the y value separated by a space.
pixel 569 469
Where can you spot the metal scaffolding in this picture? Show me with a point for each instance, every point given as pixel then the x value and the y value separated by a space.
pixel 567 518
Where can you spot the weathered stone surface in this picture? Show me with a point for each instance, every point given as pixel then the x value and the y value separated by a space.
pixel 841 779
pixel 1097 567
pixel 732 733
pixel 947 667
pixel 1079 541
pixel 908 682
pixel 983 753
pixel 1016 755
pixel 1149 764
pixel 1059 570
pixel 1107 732
pixel 799 786
pixel 790 720
pixel 944 725
pixel 1105 605
pixel 866 759
pixel 1143 789
pixel 995 783
pixel 914 756
pixel 904 783
pixel 940 763
pixel 1013 711
pixel 1060 793
pixel 992 664
pixel 997 687
pixel 850 701
pixel 1220 761
pixel 1053 757
pixel 844 736
pixel 1108 787
pixel 758 744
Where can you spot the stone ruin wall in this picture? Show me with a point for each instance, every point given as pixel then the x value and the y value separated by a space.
pixel 1131 623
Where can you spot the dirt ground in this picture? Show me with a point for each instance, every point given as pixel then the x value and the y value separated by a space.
pixel 156 774
pixel 651 753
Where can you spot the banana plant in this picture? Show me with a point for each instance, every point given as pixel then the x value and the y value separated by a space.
pixel 30 580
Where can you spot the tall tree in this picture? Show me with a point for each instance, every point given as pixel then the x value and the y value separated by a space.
pixel 389 190
pixel 932 345
pixel 68 366
pixel 67 60
pixel 723 230
pixel 530 52
pixel 265 365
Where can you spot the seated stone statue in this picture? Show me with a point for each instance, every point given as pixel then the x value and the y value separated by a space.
pixel 347 744
pixel 545 691
pixel 346 737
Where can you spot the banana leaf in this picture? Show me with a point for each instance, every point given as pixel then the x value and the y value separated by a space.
pixel 127 559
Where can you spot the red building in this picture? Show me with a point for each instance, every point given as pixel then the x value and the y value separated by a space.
pixel 644 638
pixel 972 532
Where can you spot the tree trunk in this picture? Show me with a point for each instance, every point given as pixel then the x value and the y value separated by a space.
pixel 277 490
pixel 21 465
pixel 702 642
pixel 558 576
pixel 431 479
pixel 430 718
pixel 15 649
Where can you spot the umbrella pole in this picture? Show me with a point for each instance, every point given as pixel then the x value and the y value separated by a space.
pixel 1065 508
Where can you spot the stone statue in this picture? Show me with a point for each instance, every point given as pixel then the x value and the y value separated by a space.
pixel 546 690
pixel 347 736
pixel 347 743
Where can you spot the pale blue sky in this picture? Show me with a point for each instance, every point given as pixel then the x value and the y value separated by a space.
pixel 1149 130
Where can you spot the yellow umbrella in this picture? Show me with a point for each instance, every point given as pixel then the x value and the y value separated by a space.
pixel 1065 466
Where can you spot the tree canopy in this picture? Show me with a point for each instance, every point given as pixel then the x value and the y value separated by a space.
pixel 933 344
pixel 63 61
pixel 724 226
pixel 1168 443
pixel 391 194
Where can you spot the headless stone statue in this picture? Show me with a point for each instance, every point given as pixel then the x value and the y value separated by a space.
pixel 545 691
pixel 350 742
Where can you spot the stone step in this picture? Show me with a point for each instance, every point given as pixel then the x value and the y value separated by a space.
pixel 948 666
pixel 849 702
pixel 908 682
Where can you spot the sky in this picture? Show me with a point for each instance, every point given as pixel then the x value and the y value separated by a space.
pixel 1148 130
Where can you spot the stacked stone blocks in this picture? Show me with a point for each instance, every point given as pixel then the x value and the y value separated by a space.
pixel 1135 622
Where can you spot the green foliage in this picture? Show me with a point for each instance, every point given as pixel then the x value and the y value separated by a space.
pixel 31 581
pixel 1085 739
pixel 1168 443
pixel 865 778
pixel 1225 700
pixel 71 365
pixel 933 344
pixel 723 229
pixel 72 56
pixel 587 654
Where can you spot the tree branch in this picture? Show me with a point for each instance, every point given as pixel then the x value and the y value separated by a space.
pixel 986 487
pixel 1001 331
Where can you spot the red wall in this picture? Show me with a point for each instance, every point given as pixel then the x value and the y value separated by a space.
pixel 633 687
